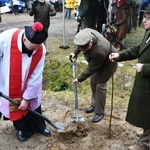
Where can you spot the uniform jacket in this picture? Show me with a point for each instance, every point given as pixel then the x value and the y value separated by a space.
pixel 99 67
pixel 138 113
pixel 42 13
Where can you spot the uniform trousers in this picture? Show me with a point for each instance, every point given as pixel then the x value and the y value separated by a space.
pixel 99 97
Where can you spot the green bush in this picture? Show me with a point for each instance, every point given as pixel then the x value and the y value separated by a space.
pixel 58 74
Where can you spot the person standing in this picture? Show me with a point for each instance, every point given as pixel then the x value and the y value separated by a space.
pixel 76 8
pixel 96 50
pixel 122 22
pixel 29 4
pixel 113 10
pixel 60 5
pixel 42 10
pixel 22 57
pixel 87 16
pixel 102 14
pixel 136 4
pixel 144 5
pixel 15 7
pixel 138 112
pixel 0 13
pixel 57 5
pixel 129 5
pixel 69 7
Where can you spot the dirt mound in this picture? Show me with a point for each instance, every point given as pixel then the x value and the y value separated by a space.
pixel 75 129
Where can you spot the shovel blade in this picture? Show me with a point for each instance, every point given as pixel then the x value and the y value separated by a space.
pixel 61 126
pixel 77 119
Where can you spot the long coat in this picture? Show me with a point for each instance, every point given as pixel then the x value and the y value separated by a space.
pixel 138 113
pixel 88 12
pixel 122 21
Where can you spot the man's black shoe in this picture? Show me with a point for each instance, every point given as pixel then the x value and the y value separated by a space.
pixel 46 132
pixel 90 109
pixel 97 118
pixel 21 137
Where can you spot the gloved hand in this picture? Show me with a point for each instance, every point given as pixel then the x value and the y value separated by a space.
pixel 72 55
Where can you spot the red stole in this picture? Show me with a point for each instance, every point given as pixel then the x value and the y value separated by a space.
pixel 15 78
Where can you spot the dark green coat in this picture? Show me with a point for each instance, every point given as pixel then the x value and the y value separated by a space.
pixel 88 10
pixel 138 113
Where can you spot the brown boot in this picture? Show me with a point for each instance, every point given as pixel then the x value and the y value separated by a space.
pixel 137 147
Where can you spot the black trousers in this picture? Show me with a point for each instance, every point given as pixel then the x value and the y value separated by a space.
pixel 30 124
pixel 4 118
pixel 15 9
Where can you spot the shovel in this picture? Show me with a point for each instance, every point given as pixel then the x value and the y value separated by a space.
pixel 61 126
pixel 76 118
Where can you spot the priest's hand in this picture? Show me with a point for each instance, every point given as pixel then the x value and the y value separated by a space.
pixel 23 104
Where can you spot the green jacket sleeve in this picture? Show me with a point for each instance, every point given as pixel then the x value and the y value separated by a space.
pixel 129 54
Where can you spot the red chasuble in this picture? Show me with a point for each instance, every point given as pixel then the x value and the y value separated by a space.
pixel 15 78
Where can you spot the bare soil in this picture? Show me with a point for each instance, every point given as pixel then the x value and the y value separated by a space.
pixel 77 135
pixel 83 135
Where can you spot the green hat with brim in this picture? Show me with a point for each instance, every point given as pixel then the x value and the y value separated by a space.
pixel 83 37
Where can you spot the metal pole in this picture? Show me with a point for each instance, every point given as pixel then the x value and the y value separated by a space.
pixel 76 118
pixel 64 38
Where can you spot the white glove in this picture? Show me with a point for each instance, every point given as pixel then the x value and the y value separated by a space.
pixel 72 55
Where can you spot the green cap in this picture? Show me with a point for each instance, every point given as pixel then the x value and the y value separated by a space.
pixel 83 37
